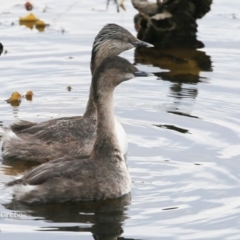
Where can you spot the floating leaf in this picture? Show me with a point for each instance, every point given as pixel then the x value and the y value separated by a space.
pixel 28 6
pixel 29 95
pixel 29 18
pixel 15 96
pixel 30 21
pixel 40 25
pixel 15 99
pixel 15 103
pixel 29 24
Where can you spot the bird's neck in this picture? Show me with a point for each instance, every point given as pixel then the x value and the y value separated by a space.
pixel 106 144
pixel 90 112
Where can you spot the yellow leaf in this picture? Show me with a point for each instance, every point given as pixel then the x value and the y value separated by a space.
pixel 27 24
pixel 29 18
pixel 40 23
pixel 15 99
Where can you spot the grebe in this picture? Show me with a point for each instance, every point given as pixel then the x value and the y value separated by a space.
pixel 41 142
pixel 103 175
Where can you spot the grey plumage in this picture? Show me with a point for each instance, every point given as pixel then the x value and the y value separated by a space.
pixel 104 174
pixel 69 135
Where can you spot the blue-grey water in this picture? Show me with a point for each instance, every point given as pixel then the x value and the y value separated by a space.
pixel 183 125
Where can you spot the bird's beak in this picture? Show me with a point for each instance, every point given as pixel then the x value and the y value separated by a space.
pixel 140 43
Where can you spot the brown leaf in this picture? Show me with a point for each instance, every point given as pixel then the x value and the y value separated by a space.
pixel 29 95
pixel 28 6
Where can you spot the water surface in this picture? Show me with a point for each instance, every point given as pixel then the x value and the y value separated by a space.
pixel 182 124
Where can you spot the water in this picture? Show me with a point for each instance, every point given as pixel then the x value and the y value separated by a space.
pixel 182 126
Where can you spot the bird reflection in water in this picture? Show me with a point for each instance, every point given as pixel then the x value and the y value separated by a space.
pixel 104 219
pixel 183 66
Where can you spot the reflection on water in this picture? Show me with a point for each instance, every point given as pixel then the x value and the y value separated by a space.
pixel 174 128
pixel 14 103
pixel 182 114
pixel 15 110
pixel 104 219
pixel 183 129
pixel 178 91
pixel 184 65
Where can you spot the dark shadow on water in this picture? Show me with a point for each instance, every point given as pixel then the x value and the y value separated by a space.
pixel 183 114
pixel 104 219
pixel 174 128
pixel 1 48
